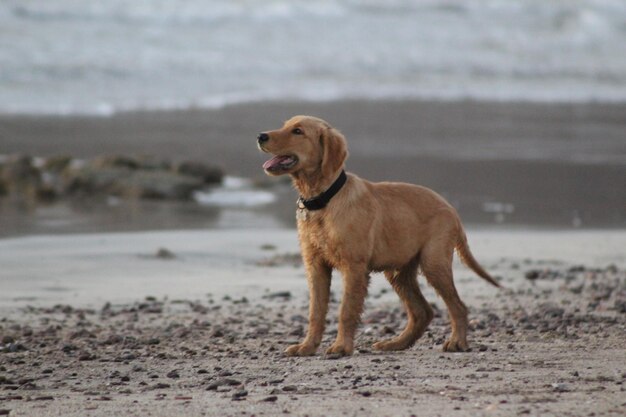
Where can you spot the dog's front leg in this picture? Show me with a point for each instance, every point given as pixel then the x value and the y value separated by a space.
pixel 355 282
pixel 318 277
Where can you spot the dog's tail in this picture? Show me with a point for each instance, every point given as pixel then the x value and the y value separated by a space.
pixel 468 259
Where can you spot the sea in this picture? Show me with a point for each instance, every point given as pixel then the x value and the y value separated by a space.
pixel 96 57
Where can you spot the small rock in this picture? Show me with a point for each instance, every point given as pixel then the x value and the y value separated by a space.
pixel 118 161
pixel 240 395
pixel 164 253
pixel 86 356
pixel 532 274
pixel 222 382
pixel 270 399
pixel 68 348
pixel 173 374
pixel 560 387
pixel 57 164
pixel 333 356
pixel 208 174
pixel 279 294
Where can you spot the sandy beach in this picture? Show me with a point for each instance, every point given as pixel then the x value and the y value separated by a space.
pixel 179 308
pixel 194 323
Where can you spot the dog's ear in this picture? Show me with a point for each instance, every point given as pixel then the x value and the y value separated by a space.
pixel 334 151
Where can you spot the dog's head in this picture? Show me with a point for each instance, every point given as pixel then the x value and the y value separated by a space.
pixel 304 144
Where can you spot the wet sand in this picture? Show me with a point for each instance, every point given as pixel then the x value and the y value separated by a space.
pixel 556 165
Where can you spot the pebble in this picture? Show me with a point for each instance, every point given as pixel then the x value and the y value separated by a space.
pixel 240 395
pixel 333 356
pixel 279 294
pixel 86 356
pixel 164 253
pixel 173 374
pixel 560 387
pixel 270 399
pixel 222 382
pixel 68 348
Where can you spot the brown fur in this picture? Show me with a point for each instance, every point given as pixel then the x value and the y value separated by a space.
pixel 396 228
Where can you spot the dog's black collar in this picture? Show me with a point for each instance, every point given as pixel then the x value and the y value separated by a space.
pixel 320 201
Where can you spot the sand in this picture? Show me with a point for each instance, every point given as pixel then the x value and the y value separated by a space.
pixel 159 309
pixel 106 324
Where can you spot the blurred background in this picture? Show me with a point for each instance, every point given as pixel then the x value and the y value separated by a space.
pixel 142 114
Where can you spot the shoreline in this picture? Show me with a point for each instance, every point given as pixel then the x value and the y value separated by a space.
pixel 554 165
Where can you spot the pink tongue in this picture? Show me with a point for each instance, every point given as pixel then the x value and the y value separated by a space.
pixel 275 161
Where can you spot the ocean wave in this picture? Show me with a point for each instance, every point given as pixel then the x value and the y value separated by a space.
pixel 72 56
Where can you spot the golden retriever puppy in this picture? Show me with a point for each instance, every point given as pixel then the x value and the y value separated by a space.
pixel 356 226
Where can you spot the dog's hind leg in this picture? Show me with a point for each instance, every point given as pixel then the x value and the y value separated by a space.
pixel 436 265
pixel 419 313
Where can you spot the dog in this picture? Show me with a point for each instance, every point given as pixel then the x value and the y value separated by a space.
pixel 357 227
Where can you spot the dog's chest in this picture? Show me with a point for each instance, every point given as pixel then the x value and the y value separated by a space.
pixel 315 230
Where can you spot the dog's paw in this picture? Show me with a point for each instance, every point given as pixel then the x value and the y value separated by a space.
pixel 452 345
pixel 300 349
pixel 340 350
pixel 392 344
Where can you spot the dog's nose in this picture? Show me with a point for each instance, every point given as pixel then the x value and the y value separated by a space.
pixel 263 137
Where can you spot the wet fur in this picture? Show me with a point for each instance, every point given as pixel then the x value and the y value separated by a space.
pixel 392 227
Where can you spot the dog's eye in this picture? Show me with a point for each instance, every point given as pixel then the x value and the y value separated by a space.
pixel 297 131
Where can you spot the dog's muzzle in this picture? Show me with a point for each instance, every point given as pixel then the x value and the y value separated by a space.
pixel 262 138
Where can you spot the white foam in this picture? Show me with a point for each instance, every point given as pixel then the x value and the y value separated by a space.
pixel 231 198
pixel 235 192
